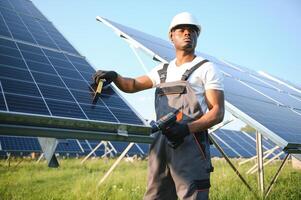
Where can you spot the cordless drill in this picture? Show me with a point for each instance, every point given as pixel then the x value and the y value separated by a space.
pixel 165 122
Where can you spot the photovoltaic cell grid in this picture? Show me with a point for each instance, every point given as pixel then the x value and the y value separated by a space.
pixel 237 144
pixel 31 144
pixel 68 146
pixel 138 148
pixel 274 105
pixel 81 147
pixel 92 144
pixel 41 73
pixel 19 22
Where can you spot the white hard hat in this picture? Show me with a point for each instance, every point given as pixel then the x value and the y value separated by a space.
pixel 184 18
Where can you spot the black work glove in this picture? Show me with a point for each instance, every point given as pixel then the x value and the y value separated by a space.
pixel 109 76
pixel 176 134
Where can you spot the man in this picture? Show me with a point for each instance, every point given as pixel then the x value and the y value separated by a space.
pixel 191 87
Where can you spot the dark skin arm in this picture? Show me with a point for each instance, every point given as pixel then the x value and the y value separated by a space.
pixel 215 115
pixel 131 85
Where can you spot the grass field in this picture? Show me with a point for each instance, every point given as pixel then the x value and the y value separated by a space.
pixel 31 180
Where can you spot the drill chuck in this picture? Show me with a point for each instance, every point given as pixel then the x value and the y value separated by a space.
pixel 164 122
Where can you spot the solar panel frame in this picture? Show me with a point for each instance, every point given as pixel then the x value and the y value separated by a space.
pixel 18 124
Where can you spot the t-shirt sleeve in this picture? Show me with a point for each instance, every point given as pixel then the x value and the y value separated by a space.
pixel 154 76
pixel 213 78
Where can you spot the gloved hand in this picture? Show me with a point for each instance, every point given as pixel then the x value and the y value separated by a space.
pixel 109 76
pixel 176 134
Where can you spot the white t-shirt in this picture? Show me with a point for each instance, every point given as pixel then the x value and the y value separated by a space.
pixel 204 78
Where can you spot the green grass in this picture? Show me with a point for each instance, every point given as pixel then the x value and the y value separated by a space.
pixel 31 180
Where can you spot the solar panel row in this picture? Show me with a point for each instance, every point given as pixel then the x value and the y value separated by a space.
pixel 80 147
pixel 236 144
pixel 31 144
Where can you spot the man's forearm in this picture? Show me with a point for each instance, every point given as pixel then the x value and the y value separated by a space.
pixel 211 118
pixel 131 85
pixel 125 84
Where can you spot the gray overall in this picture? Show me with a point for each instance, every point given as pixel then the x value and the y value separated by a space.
pixel 183 172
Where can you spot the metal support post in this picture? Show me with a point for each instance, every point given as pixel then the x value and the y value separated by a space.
pixel 115 163
pixel 8 159
pixel 19 162
pixel 112 148
pixel 40 158
pixel 89 145
pixel 226 157
pixel 139 59
pixel 231 165
pixel 269 161
pixel 108 152
pixel 276 176
pixel 247 160
pixel 253 169
pixel 48 146
pixel 266 153
pixel 92 152
pixel 139 148
pixel 260 162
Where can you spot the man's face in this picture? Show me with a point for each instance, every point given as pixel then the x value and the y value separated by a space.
pixel 184 37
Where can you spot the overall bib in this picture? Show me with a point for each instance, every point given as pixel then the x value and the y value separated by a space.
pixel 184 171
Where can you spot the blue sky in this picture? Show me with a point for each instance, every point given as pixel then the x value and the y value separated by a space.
pixel 257 34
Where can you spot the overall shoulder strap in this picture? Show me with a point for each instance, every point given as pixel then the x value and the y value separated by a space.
pixel 163 73
pixel 188 72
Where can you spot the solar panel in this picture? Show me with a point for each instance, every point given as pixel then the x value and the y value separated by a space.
pixel 68 146
pixel 41 74
pixel 19 144
pixel 85 146
pixel 272 108
pixel 81 147
pixel 31 144
pixel 238 144
pixel 138 149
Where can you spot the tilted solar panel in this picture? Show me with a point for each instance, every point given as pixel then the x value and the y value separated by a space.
pixel 68 146
pixel 238 144
pixel 272 108
pixel 41 74
pixel 19 144
pixel 31 144
pixel 86 148
pixel 138 149
pixel 60 91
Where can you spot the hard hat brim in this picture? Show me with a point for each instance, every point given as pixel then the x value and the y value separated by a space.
pixel 196 27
